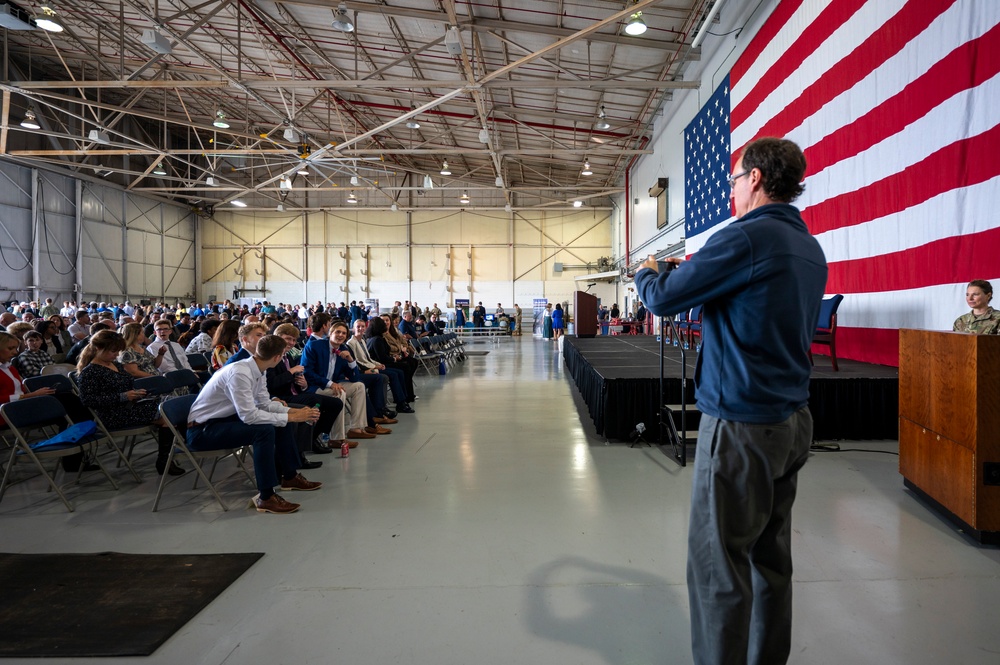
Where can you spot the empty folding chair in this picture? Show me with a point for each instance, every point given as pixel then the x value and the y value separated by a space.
pixel 175 412
pixel 41 430
pixel 58 368
pixel 183 378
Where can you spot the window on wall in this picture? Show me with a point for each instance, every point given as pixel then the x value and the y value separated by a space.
pixel 660 191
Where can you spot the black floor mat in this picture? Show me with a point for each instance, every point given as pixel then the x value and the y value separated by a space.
pixel 105 604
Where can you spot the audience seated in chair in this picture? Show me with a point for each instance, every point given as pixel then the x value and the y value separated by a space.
pixel 31 361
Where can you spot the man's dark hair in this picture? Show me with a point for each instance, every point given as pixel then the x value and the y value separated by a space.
pixel 317 321
pixel 782 167
pixel 270 346
pixel 376 328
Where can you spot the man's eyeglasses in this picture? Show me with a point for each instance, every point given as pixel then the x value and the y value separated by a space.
pixel 733 178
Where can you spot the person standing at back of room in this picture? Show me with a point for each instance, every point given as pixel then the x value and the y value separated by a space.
pixel 753 390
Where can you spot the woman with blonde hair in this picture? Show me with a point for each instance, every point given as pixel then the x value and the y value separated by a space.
pixel 135 359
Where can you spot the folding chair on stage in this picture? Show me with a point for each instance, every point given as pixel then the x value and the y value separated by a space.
pixel 41 431
pixel 175 412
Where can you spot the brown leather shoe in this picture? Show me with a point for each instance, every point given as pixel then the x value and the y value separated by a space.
pixel 378 429
pixel 275 505
pixel 298 482
pixel 359 434
pixel 350 444
pixel 382 420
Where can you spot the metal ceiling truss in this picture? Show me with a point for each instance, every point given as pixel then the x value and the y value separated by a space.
pixel 508 91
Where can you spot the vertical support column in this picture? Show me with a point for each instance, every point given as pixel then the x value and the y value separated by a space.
pixel 125 244
pixel 305 260
pixel 451 274
pixel 36 233
pixel 510 239
pixel 78 277
pixel 469 269
pixel 409 255
pixel 196 238
pixel 163 256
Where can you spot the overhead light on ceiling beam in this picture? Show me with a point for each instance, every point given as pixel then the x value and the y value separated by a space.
pixel 394 207
pixel 635 26
pixel 156 42
pixel 47 20
pixel 484 135
pixel 15 18
pixel 577 204
pixel 291 135
pixel 586 169
pixel 211 181
pixel 354 180
pixel 238 203
pixel 159 170
pixel 97 136
pixel 499 181
pixel 464 198
pixel 444 168
pixel 220 120
pixel 30 121
pixel 453 41
pixel 412 123
pixel 341 21
pixel 602 122
pixel 507 208
pixel 352 199
pixel 284 183
pixel 281 207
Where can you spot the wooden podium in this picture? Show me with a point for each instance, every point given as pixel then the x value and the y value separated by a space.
pixel 585 314
pixel 949 425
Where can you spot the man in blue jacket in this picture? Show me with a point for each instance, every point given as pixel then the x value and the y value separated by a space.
pixel 761 282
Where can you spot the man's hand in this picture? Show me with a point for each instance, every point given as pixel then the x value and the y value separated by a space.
pixel 297 370
pixel 161 350
pixel 303 415
pixel 300 381
pixel 346 355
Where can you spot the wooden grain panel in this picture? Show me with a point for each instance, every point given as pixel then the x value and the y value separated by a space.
pixel 942 468
pixel 938 382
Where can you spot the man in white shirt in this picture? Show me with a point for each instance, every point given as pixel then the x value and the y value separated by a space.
pixel 81 327
pixel 235 408
pixel 173 354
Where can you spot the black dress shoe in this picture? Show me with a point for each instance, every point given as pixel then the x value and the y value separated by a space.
pixel 404 408
pixel 389 413
pixel 174 470
pixel 310 464
pixel 320 448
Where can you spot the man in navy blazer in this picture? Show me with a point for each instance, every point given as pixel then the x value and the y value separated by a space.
pixel 337 376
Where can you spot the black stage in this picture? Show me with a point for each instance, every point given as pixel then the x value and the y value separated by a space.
pixel 619 378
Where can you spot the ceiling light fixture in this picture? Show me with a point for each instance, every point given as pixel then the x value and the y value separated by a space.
pixel 303 171
pixel 428 182
pixel 48 21
pixel 394 207
pixel 507 208
pixel 291 135
pixel 453 41
pixel 15 18
pixel 97 136
pixel 211 181
pixel 354 180
pixel 635 26
pixel 281 207
pixel 464 198
pixel 220 120
pixel 238 203
pixel 577 204
pixel 412 124
pixel 30 122
pixel 444 168
pixel 499 181
pixel 602 122
pixel 484 135
pixel 284 183
pixel 156 42
pixel 159 170
pixel 586 169
pixel 341 21
pixel 352 199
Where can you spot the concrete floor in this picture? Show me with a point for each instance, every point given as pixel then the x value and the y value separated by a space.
pixel 494 527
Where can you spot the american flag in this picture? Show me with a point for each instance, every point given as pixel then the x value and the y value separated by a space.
pixel 894 103
pixel 706 165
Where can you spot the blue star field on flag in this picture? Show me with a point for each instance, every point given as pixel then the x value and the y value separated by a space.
pixel 706 164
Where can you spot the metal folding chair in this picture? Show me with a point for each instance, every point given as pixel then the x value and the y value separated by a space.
pixel 175 412
pixel 34 423
pixel 183 378
pixel 58 368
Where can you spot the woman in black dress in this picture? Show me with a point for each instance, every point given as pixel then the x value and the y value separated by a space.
pixel 381 351
pixel 109 390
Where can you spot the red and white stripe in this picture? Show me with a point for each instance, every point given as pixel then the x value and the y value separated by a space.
pixel 894 103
